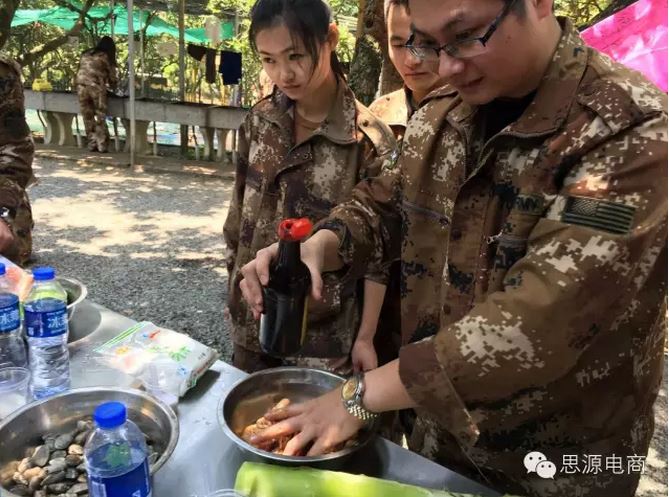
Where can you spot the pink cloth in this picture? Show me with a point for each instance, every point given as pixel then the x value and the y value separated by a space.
pixel 637 37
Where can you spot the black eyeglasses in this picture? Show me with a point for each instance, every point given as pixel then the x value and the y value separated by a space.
pixel 460 49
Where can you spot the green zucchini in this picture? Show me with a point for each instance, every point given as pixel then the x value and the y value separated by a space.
pixel 265 480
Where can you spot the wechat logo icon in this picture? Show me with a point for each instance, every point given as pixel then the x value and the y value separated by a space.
pixel 536 462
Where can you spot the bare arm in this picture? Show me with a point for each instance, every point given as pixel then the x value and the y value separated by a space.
pixel 371 310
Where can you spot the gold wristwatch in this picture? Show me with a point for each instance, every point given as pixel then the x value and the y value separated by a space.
pixel 351 394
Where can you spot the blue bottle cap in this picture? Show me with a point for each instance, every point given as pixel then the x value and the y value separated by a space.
pixel 45 273
pixel 3 269
pixel 110 415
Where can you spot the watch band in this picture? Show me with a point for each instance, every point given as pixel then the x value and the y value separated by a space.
pixel 354 405
pixel 361 413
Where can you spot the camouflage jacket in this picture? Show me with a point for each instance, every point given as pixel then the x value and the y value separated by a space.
pixel 394 109
pixel 278 179
pixel 16 157
pixel 533 273
pixel 96 70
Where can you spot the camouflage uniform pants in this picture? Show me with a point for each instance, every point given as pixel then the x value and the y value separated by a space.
pixel 93 104
pixel 251 361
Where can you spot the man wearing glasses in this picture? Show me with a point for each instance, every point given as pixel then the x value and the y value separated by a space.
pixel 530 216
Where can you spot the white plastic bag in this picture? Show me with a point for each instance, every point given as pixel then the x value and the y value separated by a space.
pixel 138 346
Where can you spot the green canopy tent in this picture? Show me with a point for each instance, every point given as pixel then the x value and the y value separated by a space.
pixel 227 32
pixel 100 19
pixel 27 16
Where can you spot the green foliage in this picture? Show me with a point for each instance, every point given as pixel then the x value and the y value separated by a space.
pixel 60 66
pixel 344 8
pixel 581 12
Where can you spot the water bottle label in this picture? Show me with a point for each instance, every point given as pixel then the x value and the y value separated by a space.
pixel 10 318
pixel 135 483
pixel 46 324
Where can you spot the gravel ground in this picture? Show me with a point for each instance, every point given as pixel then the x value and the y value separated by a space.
pixel 150 246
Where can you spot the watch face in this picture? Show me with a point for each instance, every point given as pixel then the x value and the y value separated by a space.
pixel 349 388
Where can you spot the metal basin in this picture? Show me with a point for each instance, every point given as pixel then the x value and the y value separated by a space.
pixel 24 428
pixel 86 323
pixel 76 294
pixel 252 396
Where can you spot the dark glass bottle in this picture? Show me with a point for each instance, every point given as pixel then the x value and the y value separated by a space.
pixel 283 324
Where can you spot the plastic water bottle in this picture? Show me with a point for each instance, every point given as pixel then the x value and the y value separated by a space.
pixel 12 347
pixel 45 314
pixel 116 456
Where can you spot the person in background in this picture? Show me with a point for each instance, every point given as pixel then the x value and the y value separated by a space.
pixel 419 77
pixel 395 109
pixel 302 150
pixel 530 216
pixel 96 75
pixel 16 173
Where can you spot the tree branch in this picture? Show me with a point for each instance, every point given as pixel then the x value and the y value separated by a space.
pixel 42 50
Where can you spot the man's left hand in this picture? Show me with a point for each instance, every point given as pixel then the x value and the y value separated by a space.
pixel 323 421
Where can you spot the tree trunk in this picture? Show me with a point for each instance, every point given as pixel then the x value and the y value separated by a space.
pixel 370 60
pixel 365 70
pixel 7 10
pixel 52 45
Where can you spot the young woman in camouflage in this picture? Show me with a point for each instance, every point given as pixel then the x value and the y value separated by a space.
pixel 302 150
pixel 97 74
pixel 16 173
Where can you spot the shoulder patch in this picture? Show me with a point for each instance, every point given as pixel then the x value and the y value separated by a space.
pixel 613 217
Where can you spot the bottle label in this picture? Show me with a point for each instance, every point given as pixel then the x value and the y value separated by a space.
pixel 135 483
pixel 46 324
pixel 10 318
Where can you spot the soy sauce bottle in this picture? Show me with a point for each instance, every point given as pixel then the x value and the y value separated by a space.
pixel 283 324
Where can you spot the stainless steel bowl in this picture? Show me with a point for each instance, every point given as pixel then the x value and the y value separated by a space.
pixel 24 428
pixel 76 294
pixel 252 396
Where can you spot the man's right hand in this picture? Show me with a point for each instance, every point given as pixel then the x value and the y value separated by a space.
pixel 256 272
pixel 6 237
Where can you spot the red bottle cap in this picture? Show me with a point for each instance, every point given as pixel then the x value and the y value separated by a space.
pixel 294 230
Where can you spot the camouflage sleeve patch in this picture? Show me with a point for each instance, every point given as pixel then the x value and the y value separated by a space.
pixel 612 217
